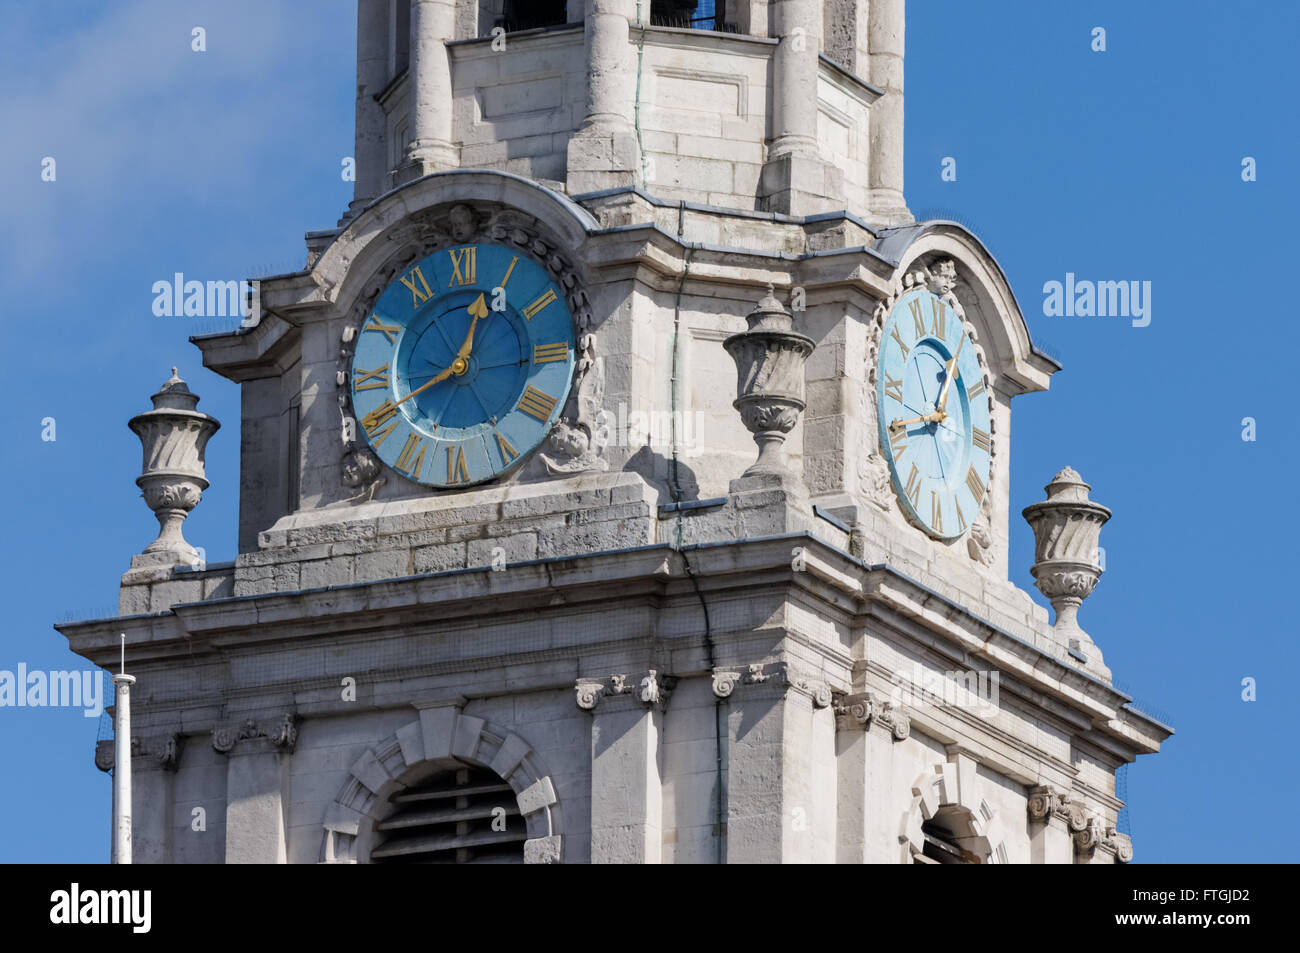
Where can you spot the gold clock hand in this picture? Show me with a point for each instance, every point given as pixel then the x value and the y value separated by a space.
pixel 423 387
pixel 477 310
pixel 927 418
pixel 951 372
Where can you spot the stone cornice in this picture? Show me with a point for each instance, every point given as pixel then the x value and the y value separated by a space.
pixel 652 572
pixel 265 350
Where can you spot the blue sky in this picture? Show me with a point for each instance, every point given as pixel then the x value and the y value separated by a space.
pixel 1115 165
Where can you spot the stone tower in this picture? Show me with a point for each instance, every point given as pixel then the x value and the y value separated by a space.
pixel 628 635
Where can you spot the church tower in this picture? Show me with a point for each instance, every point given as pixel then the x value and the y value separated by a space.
pixel 625 478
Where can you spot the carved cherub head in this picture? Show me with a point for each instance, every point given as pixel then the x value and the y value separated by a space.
pixel 942 277
pixel 463 222
pixel 359 467
pixel 568 440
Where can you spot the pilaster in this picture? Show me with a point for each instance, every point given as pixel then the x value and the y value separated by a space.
pixel 257 782
pixel 866 729
pixel 780 766
pixel 626 766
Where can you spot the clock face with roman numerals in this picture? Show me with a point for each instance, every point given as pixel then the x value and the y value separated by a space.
pixel 933 415
pixel 462 365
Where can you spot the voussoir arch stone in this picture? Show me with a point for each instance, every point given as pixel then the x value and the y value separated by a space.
pixel 440 738
pixel 941 787
pixel 344 269
pixel 991 305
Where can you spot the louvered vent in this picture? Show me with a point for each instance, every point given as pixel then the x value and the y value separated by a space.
pixel 464 816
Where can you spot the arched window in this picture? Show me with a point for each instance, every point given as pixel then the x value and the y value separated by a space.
pixel 461 815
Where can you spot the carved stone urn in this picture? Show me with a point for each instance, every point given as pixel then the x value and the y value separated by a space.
pixel 174 435
pixel 770 359
pixel 1067 526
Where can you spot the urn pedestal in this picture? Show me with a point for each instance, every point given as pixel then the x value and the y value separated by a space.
pixel 173 435
pixel 1067 526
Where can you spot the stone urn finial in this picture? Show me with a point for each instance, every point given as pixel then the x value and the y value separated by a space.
pixel 1067 526
pixel 174 435
pixel 770 359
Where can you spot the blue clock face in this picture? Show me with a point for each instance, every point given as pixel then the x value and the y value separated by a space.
pixel 933 411
pixel 463 365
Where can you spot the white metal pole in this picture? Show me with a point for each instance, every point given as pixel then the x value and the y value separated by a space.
pixel 122 764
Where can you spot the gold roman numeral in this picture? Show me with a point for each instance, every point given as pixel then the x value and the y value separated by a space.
pixel 897 442
pixel 915 306
pixel 387 330
pixel 894 388
pixel 893 333
pixel 936 512
pixel 539 304
pixel 977 389
pixel 514 261
pixel 417 296
pixel 981 439
pixel 409 462
pixel 913 489
pixel 378 378
pixel 457 472
pixel 961 519
pixel 938 319
pixel 376 419
pixel 464 264
pixel 975 485
pixel 549 353
pixel 508 453
pixel 537 404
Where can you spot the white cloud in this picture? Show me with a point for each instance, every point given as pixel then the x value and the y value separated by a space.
pixel 135 119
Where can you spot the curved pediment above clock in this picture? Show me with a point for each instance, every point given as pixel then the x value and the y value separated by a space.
pixel 345 267
pixel 983 291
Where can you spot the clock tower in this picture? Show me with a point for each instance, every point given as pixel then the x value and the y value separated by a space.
pixel 624 478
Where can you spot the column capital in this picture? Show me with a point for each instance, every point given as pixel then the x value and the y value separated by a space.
pixel 279 732
pixel 163 750
pixel 650 689
pixel 778 677
pixel 860 711
pixel 1087 829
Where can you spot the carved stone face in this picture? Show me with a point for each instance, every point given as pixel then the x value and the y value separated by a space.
pixel 570 441
pixel 942 278
pixel 463 223
pixel 359 468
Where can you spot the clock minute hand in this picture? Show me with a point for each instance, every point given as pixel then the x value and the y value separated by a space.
pixel 950 372
pixel 423 387
pixel 477 310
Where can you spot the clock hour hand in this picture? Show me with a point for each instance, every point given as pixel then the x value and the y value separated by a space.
pixel 925 419
pixel 477 310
